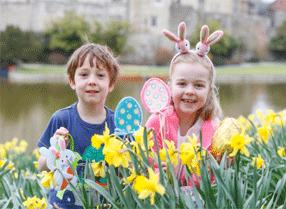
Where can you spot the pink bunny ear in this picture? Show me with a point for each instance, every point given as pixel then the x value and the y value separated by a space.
pixel 182 31
pixel 55 153
pixel 215 37
pixel 204 34
pixel 62 144
pixel 170 36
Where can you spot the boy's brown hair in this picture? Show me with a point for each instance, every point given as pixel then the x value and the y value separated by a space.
pixel 104 59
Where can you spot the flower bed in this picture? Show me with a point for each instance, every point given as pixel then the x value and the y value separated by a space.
pixel 256 180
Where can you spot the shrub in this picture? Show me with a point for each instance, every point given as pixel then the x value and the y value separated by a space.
pixel 277 43
pixel 17 45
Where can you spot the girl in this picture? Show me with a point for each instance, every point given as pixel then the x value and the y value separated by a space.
pixel 194 105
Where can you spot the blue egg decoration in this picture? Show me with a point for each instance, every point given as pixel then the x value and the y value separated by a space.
pixel 128 115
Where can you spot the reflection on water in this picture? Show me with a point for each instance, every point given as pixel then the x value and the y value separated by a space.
pixel 25 109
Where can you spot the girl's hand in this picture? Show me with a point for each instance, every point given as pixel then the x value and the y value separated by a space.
pixel 62 131
pixel 164 166
pixel 218 159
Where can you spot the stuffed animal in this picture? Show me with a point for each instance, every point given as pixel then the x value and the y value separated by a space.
pixel 48 154
pixel 183 45
pixel 203 47
pixel 63 159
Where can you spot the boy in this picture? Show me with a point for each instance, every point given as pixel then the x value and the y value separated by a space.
pixel 92 72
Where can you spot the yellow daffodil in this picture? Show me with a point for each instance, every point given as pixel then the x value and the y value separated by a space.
pixel 260 115
pixel 10 164
pixel 264 132
pixel 18 149
pixel 259 161
pixel 281 151
pixel 97 140
pixel 98 168
pixel 36 153
pixel 35 203
pixel 3 153
pixel 132 177
pixel 14 141
pixel 139 141
pixel 48 180
pixel 251 117
pixel 8 145
pixel 244 123
pixel 238 142
pixel 188 150
pixel 138 135
pixel 23 144
pixel 145 187
pixel 36 164
pixel 116 153
pixel 194 166
pixel 271 116
pixel 173 154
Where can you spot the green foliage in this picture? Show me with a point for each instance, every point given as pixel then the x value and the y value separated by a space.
pixel 243 185
pixel 223 49
pixel 72 31
pixel 278 43
pixel 68 33
pixel 16 45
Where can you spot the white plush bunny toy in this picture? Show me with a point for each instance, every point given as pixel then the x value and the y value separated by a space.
pixel 60 160
pixel 182 45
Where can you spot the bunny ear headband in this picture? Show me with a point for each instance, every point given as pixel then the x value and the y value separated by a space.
pixel 202 48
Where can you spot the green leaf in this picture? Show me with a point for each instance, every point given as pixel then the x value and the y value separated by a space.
pixel 102 191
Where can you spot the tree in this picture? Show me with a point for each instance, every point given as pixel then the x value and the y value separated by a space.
pixel 223 49
pixel 277 43
pixel 116 36
pixel 68 33
pixel 16 45
pixel 72 31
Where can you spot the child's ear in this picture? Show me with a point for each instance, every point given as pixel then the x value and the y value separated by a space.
pixel 111 87
pixel 72 83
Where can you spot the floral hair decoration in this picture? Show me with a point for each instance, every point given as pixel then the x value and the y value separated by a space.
pixel 202 48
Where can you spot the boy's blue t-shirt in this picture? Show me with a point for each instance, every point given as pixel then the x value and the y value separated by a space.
pixel 81 132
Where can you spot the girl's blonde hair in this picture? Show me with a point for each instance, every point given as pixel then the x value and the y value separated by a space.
pixel 212 106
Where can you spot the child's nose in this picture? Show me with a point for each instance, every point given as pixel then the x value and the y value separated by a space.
pixel 190 90
pixel 92 80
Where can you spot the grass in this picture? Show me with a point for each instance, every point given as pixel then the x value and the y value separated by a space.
pixel 265 68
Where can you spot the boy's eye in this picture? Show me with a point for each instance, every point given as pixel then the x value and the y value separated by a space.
pixel 84 74
pixel 100 75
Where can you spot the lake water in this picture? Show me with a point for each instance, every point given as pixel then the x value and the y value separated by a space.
pixel 25 109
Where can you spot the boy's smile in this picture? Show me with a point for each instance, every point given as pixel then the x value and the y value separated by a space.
pixel 92 84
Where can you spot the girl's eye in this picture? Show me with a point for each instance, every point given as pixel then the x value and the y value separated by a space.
pixel 182 84
pixel 100 75
pixel 84 74
pixel 199 85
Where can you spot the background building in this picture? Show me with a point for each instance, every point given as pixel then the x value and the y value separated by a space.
pixel 244 19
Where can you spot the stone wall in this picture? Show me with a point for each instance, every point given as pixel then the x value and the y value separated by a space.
pixel 251 30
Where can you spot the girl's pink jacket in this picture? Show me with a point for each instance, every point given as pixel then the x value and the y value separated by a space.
pixel 170 123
